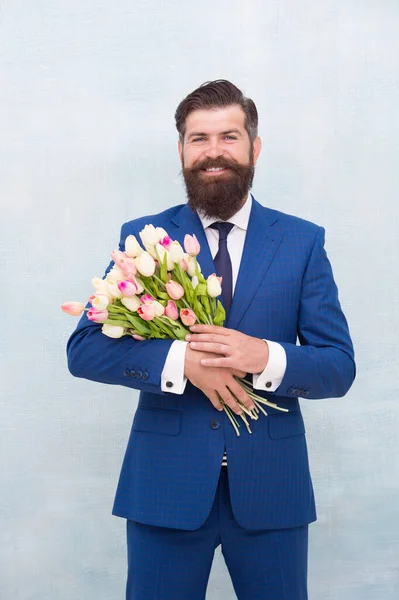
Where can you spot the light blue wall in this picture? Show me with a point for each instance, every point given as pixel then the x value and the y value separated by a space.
pixel 87 141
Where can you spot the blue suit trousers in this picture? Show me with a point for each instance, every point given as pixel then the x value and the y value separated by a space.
pixel 174 564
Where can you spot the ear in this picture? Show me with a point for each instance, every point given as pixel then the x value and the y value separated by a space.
pixel 257 148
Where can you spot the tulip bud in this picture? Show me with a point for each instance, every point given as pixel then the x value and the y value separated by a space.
pixel 100 285
pixel 176 252
pixel 183 264
pixel 98 316
pixel 174 290
pixel 127 288
pixel 145 264
pixel 99 301
pixel 171 310
pixel 166 242
pixel 113 331
pixel 147 311
pixel 147 299
pixel 170 265
pixel 116 274
pixel 194 281
pixel 150 236
pixel 192 265
pixel 187 316
pixel 161 232
pixel 191 245
pixel 138 337
pixel 132 303
pixel 112 287
pixel 213 286
pixel 159 309
pixel 74 309
pixel 132 247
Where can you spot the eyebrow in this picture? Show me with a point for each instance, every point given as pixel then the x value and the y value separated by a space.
pixel 200 133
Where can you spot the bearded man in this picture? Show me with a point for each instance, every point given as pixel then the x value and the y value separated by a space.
pixel 188 484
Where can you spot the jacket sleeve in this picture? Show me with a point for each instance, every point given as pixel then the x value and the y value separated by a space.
pixel 323 365
pixel 124 361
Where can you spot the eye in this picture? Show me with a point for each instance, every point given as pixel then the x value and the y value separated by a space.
pixel 198 139
pixel 230 137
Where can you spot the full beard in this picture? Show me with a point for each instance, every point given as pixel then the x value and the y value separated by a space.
pixel 218 196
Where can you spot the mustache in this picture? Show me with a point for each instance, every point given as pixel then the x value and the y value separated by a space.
pixel 221 163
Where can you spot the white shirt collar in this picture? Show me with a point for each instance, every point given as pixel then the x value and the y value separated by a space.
pixel 240 219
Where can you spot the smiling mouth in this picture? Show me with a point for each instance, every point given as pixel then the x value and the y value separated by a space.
pixel 215 170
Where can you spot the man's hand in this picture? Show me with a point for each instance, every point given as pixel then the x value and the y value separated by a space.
pixel 239 351
pixel 219 380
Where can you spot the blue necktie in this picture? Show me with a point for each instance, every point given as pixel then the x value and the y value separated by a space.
pixel 223 263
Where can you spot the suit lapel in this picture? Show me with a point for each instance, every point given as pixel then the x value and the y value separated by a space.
pixel 261 244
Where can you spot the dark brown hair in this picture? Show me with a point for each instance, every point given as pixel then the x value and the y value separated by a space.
pixel 217 94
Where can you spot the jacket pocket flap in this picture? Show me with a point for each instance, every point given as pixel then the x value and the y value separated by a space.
pixel 157 420
pixel 285 425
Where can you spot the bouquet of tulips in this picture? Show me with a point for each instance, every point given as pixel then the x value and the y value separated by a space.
pixel 158 292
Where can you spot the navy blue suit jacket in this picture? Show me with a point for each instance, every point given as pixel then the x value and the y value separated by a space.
pixel 285 291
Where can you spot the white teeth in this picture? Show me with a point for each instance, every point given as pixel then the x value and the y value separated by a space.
pixel 215 169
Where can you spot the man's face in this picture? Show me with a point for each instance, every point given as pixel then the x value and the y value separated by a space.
pixel 218 160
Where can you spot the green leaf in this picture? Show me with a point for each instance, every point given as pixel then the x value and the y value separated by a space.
pixel 163 274
pixel 220 315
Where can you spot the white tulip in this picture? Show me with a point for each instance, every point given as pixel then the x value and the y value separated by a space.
pixel 132 247
pixel 194 281
pixel 176 251
pixel 192 265
pixel 170 265
pixel 149 236
pixel 152 252
pixel 159 309
pixel 162 233
pixel 113 289
pixel 116 274
pixel 213 286
pixel 113 331
pixel 131 303
pixel 145 264
pixel 100 301
pixel 100 285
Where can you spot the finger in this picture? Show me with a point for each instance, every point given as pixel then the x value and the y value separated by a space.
pixel 225 361
pixel 241 395
pixel 229 399
pixel 210 347
pixel 238 373
pixel 210 329
pixel 206 337
pixel 215 400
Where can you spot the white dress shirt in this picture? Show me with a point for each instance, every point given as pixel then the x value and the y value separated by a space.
pixel 172 378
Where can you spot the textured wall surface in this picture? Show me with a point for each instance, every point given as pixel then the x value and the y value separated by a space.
pixel 87 141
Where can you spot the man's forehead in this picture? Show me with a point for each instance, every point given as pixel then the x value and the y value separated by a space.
pixel 216 119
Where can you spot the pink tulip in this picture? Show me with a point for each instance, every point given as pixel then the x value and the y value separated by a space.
pixel 183 264
pixel 174 289
pixel 147 299
pixel 147 311
pixel 191 245
pixel 127 287
pixel 138 337
pixel 188 316
pixel 74 309
pixel 166 242
pixel 124 262
pixel 171 310
pixel 98 316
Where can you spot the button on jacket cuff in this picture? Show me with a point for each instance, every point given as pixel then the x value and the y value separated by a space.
pixel 270 379
pixel 173 370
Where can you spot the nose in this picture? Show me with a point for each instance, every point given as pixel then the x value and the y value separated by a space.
pixel 213 149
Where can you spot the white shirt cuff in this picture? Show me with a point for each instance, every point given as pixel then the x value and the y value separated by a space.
pixel 272 376
pixel 172 377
